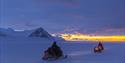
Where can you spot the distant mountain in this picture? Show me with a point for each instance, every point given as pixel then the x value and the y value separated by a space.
pixel 40 32
pixel 2 34
pixel 5 32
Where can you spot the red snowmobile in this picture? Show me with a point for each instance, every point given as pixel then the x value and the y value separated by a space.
pixel 99 48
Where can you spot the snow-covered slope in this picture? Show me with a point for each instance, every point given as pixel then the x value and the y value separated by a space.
pixel 5 32
pixel 24 49
pixel 2 34
pixel 11 32
pixel 39 32
pixel 17 47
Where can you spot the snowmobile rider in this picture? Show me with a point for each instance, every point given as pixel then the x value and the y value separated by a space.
pixel 53 52
pixel 99 48
pixel 100 45
pixel 57 52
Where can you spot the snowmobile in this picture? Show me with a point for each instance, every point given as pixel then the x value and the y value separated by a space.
pixel 99 48
pixel 53 53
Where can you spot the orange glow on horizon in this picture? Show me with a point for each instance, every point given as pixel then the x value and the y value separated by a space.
pixel 83 37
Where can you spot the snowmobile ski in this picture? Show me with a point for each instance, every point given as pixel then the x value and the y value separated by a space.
pixel 53 58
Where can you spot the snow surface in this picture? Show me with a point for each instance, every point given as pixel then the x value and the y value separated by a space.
pixel 30 50
pixel 17 47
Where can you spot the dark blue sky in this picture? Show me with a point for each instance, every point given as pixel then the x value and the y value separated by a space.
pixel 63 15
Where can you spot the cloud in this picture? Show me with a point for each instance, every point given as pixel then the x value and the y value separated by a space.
pixel 110 31
pixel 76 16
pixel 66 3
pixel 89 15
pixel 30 25
pixel 70 1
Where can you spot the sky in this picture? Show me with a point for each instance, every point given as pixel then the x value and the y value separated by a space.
pixel 86 16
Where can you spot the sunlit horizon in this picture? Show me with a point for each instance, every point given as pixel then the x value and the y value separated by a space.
pixel 85 37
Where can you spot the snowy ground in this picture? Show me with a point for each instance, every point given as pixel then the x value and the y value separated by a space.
pixel 30 50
